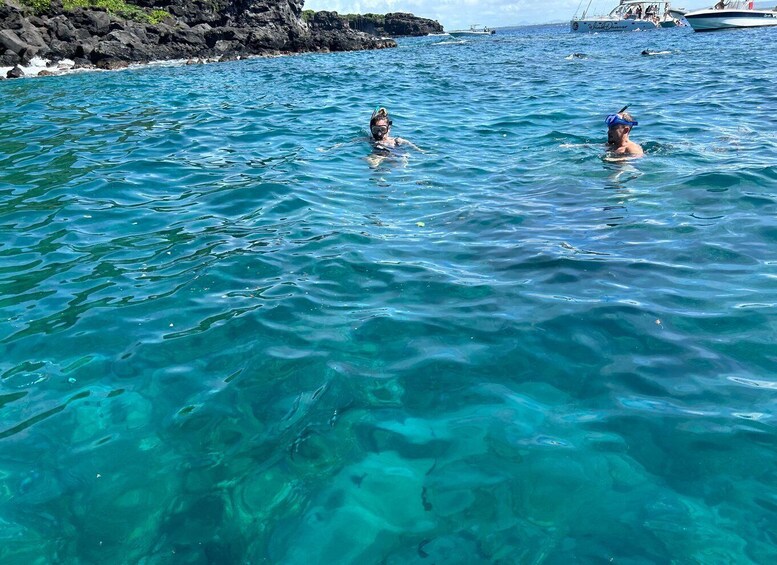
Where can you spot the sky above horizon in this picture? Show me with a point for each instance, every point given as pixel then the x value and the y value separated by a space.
pixel 458 14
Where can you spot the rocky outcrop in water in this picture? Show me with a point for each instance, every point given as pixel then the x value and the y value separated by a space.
pixel 207 29
pixel 396 24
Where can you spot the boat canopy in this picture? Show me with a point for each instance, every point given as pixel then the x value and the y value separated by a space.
pixel 623 6
pixel 626 5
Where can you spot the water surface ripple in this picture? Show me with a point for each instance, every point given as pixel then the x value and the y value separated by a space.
pixel 230 335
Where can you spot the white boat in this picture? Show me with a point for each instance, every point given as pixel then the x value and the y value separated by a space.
pixel 629 15
pixel 677 13
pixel 473 31
pixel 728 15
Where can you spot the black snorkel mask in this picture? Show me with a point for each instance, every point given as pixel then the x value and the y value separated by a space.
pixel 380 132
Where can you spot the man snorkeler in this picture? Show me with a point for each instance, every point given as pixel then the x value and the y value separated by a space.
pixel 618 127
pixel 380 129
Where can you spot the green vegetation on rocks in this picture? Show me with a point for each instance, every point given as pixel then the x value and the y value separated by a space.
pixel 37 5
pixel 115 7
pixel 379 19
pixel 157 16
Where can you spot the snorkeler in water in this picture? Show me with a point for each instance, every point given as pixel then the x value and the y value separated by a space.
pixel 380 129
pixel 618 128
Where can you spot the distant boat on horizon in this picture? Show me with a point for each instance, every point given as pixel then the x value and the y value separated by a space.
pixel 473 31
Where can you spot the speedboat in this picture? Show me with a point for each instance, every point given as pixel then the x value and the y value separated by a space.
pixel 473 31
pixel 677 13
pixel 728 15
pixel 629 15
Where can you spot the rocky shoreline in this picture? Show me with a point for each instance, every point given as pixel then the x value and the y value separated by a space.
pixel 194 30
pixel 396 24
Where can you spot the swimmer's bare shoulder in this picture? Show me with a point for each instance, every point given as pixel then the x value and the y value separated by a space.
pixel 630 148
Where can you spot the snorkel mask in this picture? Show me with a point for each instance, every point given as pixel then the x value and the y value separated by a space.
pixel 615 119
pixel 379 132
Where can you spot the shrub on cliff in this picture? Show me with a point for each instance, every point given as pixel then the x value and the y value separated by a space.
pixel 378 19
pixel 37 5
pixel 116 7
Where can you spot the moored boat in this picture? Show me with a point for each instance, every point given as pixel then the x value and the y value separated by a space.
pixel 473 31
pixel 629 15
pixel 730 15
pixel 676 13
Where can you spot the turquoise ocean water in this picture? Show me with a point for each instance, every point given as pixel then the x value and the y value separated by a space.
pixel 230 336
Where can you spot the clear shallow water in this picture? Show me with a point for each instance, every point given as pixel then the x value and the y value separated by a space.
pixel 230 337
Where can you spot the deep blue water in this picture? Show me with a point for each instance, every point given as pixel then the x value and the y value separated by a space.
pixel 230 335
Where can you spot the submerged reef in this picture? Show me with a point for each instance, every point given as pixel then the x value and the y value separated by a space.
pixel 111 34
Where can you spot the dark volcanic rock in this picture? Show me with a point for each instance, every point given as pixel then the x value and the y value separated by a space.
pixel 396 24
pixel 16 72
pixel 10 17
pixel 62 49
pixel 94 21
pixel 196 29
pixel 261 13
pixel 332 32
pixel 112 64
pixel 62 28
pixel 191 12
pixel 194 36
pixel 85 48
pixel 329 21
pixel 9 59
pixel 31 35
pixel 399 23
pixel 11 41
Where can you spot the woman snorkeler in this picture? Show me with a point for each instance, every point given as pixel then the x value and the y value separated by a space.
pixel 380 130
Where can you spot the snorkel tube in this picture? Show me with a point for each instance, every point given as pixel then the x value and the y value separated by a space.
pixel 617 120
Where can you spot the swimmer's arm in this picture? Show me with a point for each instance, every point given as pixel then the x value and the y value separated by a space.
pixel 375 160
pixel 403 141
pixel 616 158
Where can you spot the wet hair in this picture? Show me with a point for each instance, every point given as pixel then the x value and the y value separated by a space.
pixel 628 117
pixel 380 115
